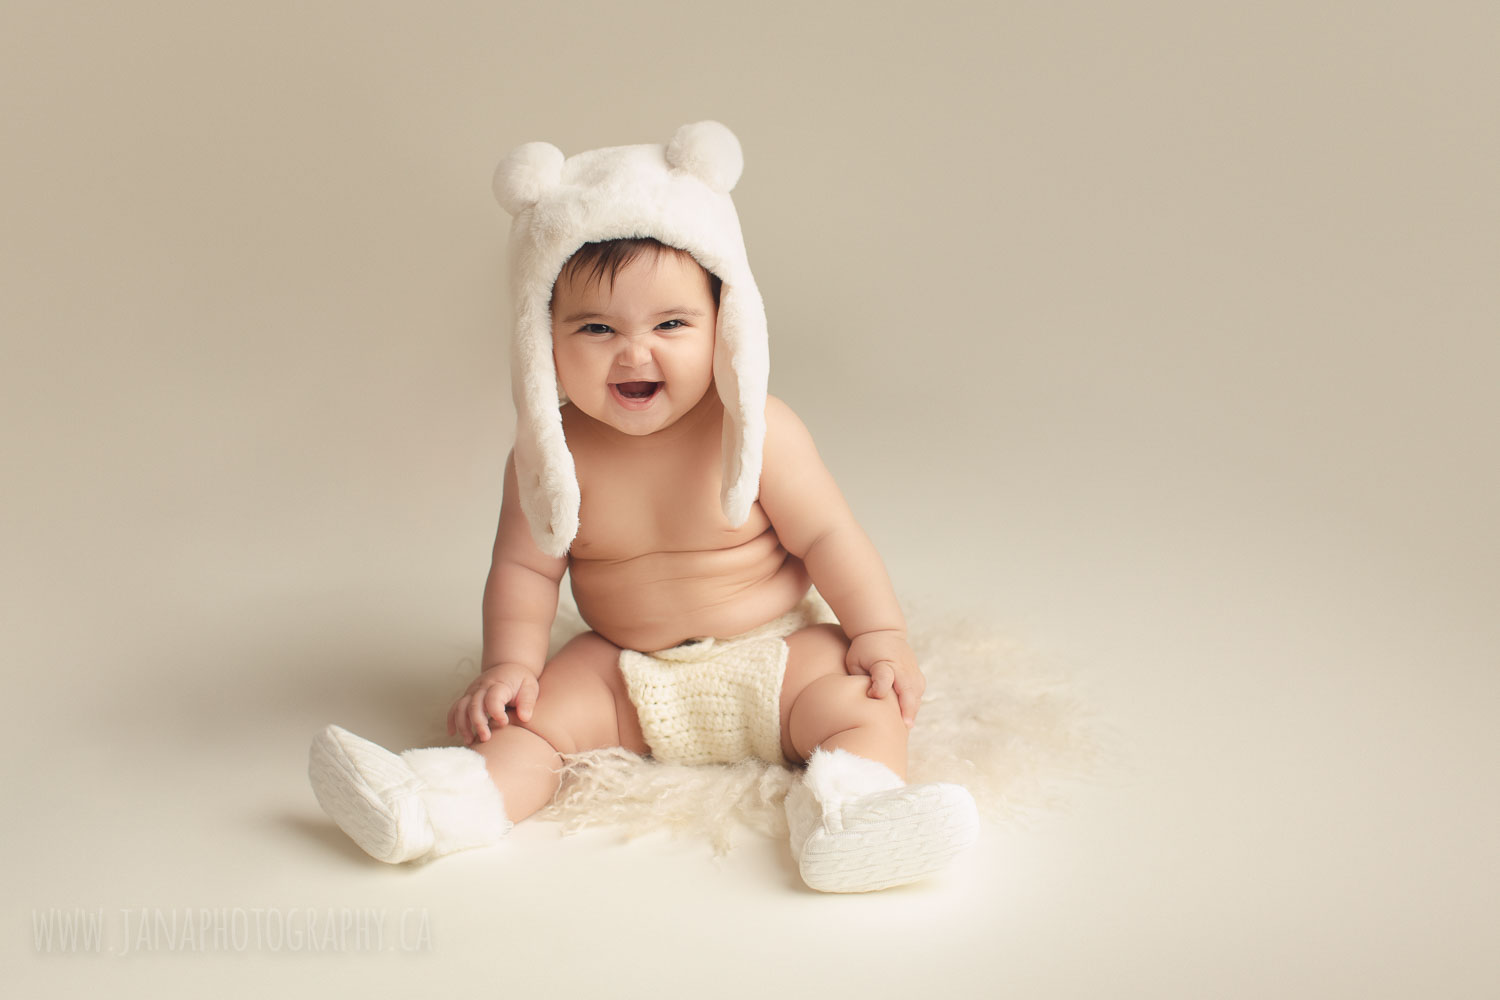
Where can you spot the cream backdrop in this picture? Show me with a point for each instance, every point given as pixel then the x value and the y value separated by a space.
pixel 1164 334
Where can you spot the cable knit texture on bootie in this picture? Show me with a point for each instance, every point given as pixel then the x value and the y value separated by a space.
pixel 857 827
pixel 421 804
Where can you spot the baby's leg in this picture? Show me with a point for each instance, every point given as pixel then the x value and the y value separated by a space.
pixel 582 705
pixel 824 706
pixel 855 825
pixel 429 802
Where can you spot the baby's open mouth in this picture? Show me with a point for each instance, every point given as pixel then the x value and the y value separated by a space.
pixel 637 390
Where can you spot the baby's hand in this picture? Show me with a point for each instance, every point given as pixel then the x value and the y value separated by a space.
pixel 891 666
pixel 485 702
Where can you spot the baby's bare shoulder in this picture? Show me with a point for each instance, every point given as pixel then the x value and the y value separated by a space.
pixel 777 411
pixel 788 441
pixel 791 463
pixel 797 492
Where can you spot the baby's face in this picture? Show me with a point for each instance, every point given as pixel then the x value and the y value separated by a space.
pixel 637 354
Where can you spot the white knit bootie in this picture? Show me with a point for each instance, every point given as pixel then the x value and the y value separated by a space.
pixel 420 804
pixel 857 827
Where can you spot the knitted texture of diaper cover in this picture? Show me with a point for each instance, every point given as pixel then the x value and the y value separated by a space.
pixel 717 701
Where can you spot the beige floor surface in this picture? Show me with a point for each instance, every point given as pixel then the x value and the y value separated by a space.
pixel 1163 336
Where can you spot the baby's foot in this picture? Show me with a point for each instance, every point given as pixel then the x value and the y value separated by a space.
pixel 422 803
pixel 856 827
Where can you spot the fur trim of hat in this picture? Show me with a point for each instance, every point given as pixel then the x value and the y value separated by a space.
pixel 677 194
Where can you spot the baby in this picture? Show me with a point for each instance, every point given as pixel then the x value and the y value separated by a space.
pixel 687 506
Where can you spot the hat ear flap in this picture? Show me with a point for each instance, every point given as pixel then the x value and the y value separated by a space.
pixel 529 172
pixel 710 152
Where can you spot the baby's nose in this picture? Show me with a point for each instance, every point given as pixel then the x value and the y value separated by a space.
pixel 635 352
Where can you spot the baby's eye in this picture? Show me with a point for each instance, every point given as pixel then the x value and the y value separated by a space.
pixel 595 328
pixel 670 324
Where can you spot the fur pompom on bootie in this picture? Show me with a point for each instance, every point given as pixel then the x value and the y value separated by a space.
pixel 418 804
pixel 857 827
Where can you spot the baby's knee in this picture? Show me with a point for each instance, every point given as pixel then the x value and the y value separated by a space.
pixel 577 706
pixel 565 718
pixel 548 726
pixel 842 701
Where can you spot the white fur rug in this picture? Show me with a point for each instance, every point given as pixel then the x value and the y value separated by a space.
pixel 995 719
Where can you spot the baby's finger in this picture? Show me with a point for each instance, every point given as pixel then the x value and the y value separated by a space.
pixel 458 719
pixel 910 700
pixel 882 676
pixel 495 700
pixel 910 692
pixel 526 699
pixel 479 720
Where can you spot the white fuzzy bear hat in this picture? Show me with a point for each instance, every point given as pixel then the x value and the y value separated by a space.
pixel 677 194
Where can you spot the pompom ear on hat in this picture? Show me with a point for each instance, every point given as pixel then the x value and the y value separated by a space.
pixel 526 173
pixel 677 194
pixel 710 151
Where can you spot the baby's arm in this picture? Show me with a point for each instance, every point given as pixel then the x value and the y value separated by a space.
pixel 814 523
pixel 520 601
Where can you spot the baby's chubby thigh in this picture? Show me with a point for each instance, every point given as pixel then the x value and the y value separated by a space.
pixel 820 699
pixel 582 703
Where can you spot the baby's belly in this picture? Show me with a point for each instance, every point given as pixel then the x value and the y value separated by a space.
pixel 660 599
